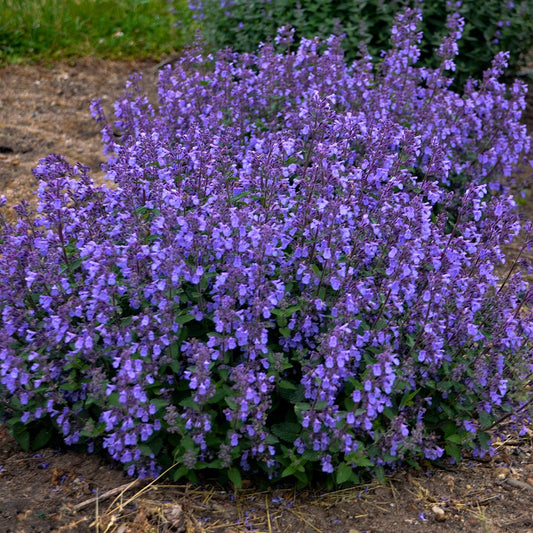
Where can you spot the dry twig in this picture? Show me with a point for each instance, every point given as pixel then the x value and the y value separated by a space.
pixel 106 495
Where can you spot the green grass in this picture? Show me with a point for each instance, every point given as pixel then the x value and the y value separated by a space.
pixel 32 30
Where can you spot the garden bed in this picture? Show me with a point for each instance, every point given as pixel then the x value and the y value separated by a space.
pixel 46 110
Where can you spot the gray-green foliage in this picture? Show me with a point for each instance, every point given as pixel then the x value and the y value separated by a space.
pixel 490 26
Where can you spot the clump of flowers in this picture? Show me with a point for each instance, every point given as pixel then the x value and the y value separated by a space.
pixel 283 275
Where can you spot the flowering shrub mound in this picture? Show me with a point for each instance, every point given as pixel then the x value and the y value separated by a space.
pixel 282 277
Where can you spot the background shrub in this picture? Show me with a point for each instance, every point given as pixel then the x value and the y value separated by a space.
pixel 491 26
pixel 280 280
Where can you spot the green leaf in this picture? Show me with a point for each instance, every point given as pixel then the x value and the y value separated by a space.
pixel 216 464
pixel 484 439
pixel 289 471
pixel 70 386
pixel 281 321
pixel 189 402
pixel 389 413
pixel 293 309
pixel 363 461
pixel 450 429
pixel 224 374
pixel 219 394
pixel 75 264
pixel 232 404
pixel 301 476
pixel 179 473
pixel 302 406
pixel 186 443
pixel 175 366
pixel 408 398
pixel 344 473
pixel 311 456
pixel 41 439
pixel 158 403
pixel 285 312
pixel 446 385
pixel 183 319
pixel 293 396
pixel 413 463
pixel 287 431
pixel 284 384
pixel 454 438
pixel 316 270
pixel 23 438
pixel 235 477
pixel 448 410
pixel 380 474
pixel 145 449
pixel 271 440
pixel 485 419
pixel 380 324
pixel 156 445
pixel 113 399
pixel 453 451
pixel 239 196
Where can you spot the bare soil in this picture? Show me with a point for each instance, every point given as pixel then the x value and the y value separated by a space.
pixel 46 110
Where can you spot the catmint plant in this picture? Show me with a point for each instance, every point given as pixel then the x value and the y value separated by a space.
pixel 295 270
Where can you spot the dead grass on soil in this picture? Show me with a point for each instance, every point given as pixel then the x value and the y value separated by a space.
pixel 156 506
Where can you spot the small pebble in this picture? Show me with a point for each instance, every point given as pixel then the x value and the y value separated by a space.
pixel 501 472
pixel 439 513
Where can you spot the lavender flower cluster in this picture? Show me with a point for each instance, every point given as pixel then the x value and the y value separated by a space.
pixel 282 274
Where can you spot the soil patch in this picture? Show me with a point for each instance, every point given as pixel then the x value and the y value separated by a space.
pixel 46 110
